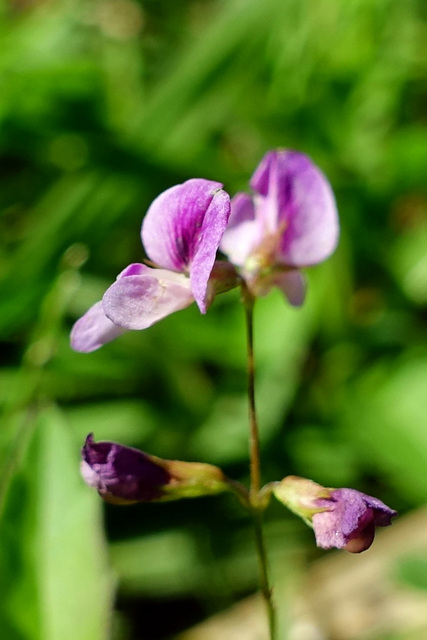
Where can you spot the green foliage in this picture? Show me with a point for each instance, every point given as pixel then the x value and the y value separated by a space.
pixel 103 105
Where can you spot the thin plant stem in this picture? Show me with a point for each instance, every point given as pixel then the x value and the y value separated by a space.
pixel 255 468
pixel 254 445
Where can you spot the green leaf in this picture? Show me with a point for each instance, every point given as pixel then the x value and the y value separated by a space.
pixel 55 579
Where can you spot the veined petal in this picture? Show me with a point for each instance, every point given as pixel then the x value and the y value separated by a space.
pixel 296 198
pixel 93 330
pixel 205 245
pixel 138 301
pixel 183 218
pixel 244 231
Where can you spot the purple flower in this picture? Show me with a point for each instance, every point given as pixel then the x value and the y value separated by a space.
pixel 349 520
pixel 123 475
pixel 181 233
pixel 290 222
pixel 341 518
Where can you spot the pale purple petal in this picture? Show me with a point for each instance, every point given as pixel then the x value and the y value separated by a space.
pixel 293 284
pixel 244 231
pixel 261 177
pixel 334 527
pixel 174 224
pixel 206 246
pixel 93 330
pixel 349 520
pixel 296 199
pixel 138 301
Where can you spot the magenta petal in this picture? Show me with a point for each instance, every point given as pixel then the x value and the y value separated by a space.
pixel 175 225
pixel 243 232
pixel 134 269
pixel 93 330
pixel 296 197
pixel 138 301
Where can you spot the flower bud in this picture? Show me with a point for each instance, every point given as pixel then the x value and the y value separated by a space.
pixel 123 475
pixel 341 518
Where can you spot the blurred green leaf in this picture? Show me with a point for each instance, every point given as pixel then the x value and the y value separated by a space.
pixel 412 571
pixel 56 582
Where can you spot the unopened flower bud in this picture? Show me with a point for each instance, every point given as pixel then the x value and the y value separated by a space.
pixel 123 475
pixel 341 518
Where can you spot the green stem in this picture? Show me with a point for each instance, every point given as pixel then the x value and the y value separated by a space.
pixel 254 445
pixel 263 572
pixel 255 467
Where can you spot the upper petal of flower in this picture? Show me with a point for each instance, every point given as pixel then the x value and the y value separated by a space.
pixel 93 330
pixel 142 296
pixel 182 220
pixel 296 200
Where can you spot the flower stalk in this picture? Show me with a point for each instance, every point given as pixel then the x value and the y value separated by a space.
pixel 256 501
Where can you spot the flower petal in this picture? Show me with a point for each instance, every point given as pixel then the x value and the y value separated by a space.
pixel 206 246
pixel 296 199
pixel 138 301
pixel 293 284
pixel 175 225
pixel 350 519
pixel 334 527
pixel 382 513
pixel 244 231
pixel 93 330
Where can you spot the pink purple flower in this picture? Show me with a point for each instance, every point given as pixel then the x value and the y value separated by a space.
pixel 341 518
pixel 289 222
pixel 181 233
pixel 349 520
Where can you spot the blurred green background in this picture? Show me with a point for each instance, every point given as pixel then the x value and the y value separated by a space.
pixel 104 104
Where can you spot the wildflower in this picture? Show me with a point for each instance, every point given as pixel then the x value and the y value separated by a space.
pixel 341 518
pixel 181 233
pixel 123 475
pixel 290 222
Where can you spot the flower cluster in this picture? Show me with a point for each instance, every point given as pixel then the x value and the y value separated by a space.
pixel 290 221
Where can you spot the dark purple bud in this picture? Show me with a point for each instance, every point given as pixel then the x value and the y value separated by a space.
pixel 123 475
